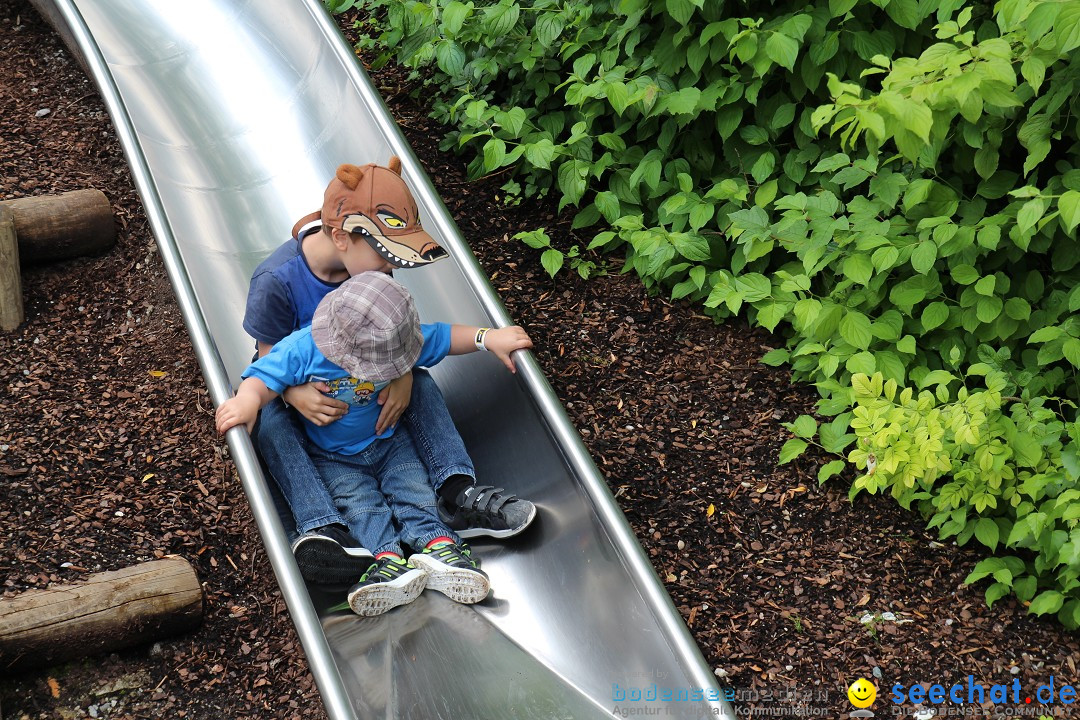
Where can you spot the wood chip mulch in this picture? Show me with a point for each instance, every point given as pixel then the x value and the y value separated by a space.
pixel 108 458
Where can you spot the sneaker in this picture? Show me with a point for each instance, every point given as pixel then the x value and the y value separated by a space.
pixel 388 583
pixel 329 555
pixel 485 510
pixel 452 571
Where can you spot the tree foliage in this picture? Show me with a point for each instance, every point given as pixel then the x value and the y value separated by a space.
pixel 890 185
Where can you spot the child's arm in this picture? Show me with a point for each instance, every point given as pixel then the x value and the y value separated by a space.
pixel 309 400
pixel 243 408
pixel 501 341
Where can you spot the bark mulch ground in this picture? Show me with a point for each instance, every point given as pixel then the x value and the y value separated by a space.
pixel 108 458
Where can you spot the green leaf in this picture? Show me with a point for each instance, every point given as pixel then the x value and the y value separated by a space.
pixel 549 27
pixel 858 268
pixel 987 532
pixel 834 435
pixel 1071 348
pixel 964 274
pixel 855 328
pixel 923 257
pixel 500 19
pixel 552 260
pixel 763 167
pixel 831 163
pixel 753 286
pixel 608 205
pixel 782 50
pixel 540 153
pixel 775 358
pixel 830 469
pixel 804 426
pixel 572 180
pixel 454 17
pixel 680 10
pixel 985 286
pixel 683 101
pixel 1046 334
pixel 1048 601
pixel 513 120
pixel 988 309
pixel 1069 207
pixel 934 315
pixel 770 315
pixel 691 246
pixel 782 116
pixel 754 135
pixel 917 192
pixel 536 239
pixel 494 154
pixel 986 161
pixel 728 119
pixel 887 186
pixel 1030 213
pixel 838 8
pixel 995 592
pixel 450 57
pixel 861 362
pixel 985 568
pixel 1017 308
pixel 792 449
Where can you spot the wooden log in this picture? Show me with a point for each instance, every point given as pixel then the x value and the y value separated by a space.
pixel 58 227
pixel 11 301
pixel 107 611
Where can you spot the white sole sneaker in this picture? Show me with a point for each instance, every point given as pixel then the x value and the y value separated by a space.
pixel 475 532
pixel 459 584
pixel 378 597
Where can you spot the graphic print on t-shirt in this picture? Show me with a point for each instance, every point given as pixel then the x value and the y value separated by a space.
pixel 350 390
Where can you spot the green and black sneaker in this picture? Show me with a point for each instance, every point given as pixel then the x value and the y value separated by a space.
pixel 388 583
pixel 452 571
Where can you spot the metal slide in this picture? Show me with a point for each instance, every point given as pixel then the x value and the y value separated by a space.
pixel 234 115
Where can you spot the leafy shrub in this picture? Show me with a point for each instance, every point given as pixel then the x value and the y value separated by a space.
pixel 891 185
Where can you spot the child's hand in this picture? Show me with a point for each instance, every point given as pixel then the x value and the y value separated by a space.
pixel 503 341
pixel 239 410
pixel 309 401
pixel 394 399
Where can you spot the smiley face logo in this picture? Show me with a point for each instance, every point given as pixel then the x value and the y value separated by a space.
pixel 862 693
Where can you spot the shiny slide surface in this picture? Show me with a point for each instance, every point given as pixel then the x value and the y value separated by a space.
pixel 233 115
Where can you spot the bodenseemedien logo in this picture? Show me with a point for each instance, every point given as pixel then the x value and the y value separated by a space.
pixel 862 694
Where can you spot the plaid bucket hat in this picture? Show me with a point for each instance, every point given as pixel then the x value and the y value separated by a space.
pixel 369 326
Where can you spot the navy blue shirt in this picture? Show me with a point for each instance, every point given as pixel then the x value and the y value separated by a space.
pixel 283 294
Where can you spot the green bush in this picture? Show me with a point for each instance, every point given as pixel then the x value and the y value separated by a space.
pixel 890 185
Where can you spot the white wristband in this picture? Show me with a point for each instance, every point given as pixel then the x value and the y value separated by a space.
pixel 479 339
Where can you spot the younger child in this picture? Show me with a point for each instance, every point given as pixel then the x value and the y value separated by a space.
pixel 363 335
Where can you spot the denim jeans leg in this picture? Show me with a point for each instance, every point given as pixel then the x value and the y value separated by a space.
pixel 284 513
pixel 404 483
pixel 352 481
pixel 437 439
pixel 284 448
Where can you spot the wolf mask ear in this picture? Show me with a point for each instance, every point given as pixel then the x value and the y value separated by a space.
pixel 394 164
pixel 350 175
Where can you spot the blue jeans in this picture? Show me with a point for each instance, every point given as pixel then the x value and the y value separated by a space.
pixel 384 494
pixel 280 439
pixel 437 440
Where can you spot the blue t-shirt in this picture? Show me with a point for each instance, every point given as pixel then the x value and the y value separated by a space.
pixel 296 360
pixel 283 294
